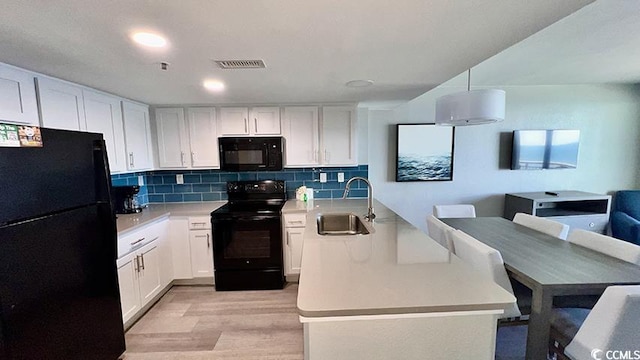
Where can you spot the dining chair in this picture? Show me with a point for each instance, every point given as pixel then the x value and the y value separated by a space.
pixel 454 211
pixel 608 245
pixel 487 261
pixel 440 232
pixel 612 325
pixel 546 226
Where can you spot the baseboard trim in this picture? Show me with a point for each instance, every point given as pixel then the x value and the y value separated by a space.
pixel 194 281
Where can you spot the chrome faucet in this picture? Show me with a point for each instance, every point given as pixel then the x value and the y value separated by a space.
pixel 370 215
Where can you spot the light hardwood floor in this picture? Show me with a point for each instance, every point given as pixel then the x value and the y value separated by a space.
pixel 197 323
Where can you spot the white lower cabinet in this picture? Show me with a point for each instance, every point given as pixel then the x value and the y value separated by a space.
pixel 201 253
pixel 181 249
pixel 139 278
pixel 129 288
pixel 201 245
pixel 293 241
pixel 192 245
pixel 143 269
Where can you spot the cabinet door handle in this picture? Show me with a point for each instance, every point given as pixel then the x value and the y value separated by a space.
pixel 193 156
pixel 287 239
pixel 246 125
pixel 136 265
pixel 142 256
pixel 295 222
pixel 137 241
pixel 131 159
pixel 208 242
pixel 326 156
pixel 182 158
pixel 255 122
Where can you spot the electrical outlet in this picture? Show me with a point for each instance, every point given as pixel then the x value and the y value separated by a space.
pixel 323 177
pixel 340 177
pixel 140 180
pixel 179 179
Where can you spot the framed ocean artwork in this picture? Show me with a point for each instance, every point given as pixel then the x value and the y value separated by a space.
pixel 425 152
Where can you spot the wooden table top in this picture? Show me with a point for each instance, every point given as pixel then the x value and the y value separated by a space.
pixel 544 260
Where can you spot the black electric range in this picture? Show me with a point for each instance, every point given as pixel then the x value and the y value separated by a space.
pixel 247 236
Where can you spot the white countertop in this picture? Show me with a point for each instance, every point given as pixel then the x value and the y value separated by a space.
pixel 129 222
pixel 397 269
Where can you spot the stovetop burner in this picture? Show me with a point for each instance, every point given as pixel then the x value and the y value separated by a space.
pixel 253 197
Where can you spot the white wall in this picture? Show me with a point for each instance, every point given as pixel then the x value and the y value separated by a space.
pixel 608 117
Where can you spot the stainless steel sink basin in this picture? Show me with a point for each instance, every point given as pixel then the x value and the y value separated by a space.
pixel 341 224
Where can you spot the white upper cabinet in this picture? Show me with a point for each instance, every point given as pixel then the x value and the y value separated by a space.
pixel 61 105
pixel 330 141
pixel 104 115
pixel 173 143
pixel 265 121
pixel 339 136
pixel 17 96
pixel 233 121
pixel 136 133
pixel 240 121
pixel 203 137
pixel 187 143
pixel 301 134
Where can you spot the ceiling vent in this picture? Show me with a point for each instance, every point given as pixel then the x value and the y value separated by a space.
pixel 240 64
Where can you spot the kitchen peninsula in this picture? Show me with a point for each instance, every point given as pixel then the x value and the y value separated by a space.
pixel 394 293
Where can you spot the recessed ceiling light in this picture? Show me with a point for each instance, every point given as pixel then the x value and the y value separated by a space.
pixel 213 85
pixel 149 39
pixel 359 83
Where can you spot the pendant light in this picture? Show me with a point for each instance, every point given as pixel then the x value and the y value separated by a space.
pixel 471 107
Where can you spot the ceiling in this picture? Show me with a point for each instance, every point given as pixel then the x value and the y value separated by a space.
pixel 598 44
pixel 311 48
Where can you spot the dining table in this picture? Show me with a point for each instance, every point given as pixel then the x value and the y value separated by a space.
pixel 549 266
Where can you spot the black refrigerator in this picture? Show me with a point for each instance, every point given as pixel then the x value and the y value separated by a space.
pixel 59 296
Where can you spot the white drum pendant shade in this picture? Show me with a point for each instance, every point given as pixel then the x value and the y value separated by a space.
pixel 472 107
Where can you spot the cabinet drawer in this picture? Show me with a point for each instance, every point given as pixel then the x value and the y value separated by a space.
pixel 295 220
pixel 199 222
pixel 140 237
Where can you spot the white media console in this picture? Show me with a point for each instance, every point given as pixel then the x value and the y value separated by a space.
pixel 579 210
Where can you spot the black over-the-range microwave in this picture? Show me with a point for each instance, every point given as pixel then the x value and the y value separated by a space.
pixel 250 153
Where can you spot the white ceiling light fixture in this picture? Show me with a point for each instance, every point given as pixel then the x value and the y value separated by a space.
pixel 213 85
pixel 149 39
pixel 359 83
pixel 471 107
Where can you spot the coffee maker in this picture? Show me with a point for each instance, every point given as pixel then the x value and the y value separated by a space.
pixel 125 199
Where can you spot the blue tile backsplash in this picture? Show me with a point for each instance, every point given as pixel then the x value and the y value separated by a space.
pixel 210 185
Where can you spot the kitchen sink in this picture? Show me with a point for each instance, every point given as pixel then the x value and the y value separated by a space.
pixel 341 224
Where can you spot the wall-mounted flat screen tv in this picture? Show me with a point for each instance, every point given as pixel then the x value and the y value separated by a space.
pixel 545 149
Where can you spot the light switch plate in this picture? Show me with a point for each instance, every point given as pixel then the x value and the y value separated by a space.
pixel 140 180
pixel 340 177
pixel 179 179
pixel 323 177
